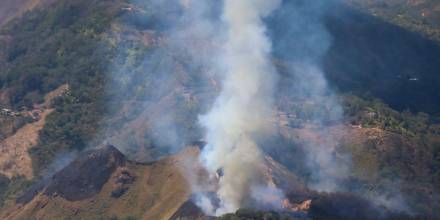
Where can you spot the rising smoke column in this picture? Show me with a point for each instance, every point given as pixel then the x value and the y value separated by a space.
pixel 243 105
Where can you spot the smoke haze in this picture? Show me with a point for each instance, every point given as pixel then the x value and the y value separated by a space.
pixel 244 102
pixel 212 72
pixel 233 85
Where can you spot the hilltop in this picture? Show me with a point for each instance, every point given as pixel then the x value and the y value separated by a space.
pixel 102 183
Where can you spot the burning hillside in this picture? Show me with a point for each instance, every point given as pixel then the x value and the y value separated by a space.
pixel 298 108
pixel 102 182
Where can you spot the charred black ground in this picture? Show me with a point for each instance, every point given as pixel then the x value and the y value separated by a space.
pixel 81 179
pixel 379 69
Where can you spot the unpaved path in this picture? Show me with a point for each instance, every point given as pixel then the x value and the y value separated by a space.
pixel 14 157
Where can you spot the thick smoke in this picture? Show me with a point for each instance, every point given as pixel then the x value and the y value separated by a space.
pixel 209 74
pixel 195 43
pixel 245 101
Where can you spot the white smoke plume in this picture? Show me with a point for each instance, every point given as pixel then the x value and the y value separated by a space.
pixel 245 101
pixel 206 49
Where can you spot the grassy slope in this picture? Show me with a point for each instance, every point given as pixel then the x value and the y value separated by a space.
pixel 48 48
pixel 395 151
pixel 44 49
pixel 157 191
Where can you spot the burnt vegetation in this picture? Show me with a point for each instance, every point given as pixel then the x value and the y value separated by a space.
pixel 387 78
pixel 349 206
pixel 81 179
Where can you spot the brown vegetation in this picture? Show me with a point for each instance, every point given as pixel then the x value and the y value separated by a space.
pixel 14 157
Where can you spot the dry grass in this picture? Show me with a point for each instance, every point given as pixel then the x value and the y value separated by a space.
pixel 157 192
pixel 14 150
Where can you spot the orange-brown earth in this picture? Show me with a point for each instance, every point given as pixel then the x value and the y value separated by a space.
pixel 155 190
pixel 14 157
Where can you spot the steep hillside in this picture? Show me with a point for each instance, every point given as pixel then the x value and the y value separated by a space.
pixel 129 88
pixel 15 159
pixel 421 16
pixel 11 9
pixel 50 47
pixel 102 183
pixel 366 55
pixel 110 32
